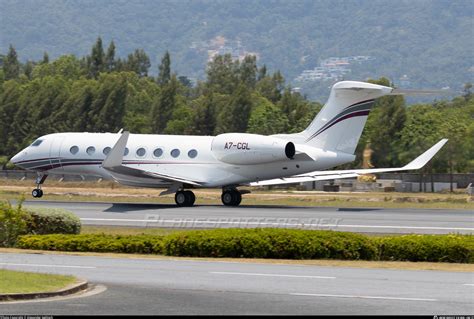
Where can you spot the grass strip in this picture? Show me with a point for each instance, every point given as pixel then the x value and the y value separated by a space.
pixel 27 282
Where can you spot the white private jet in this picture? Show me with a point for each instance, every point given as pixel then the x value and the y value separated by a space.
pixel 226 160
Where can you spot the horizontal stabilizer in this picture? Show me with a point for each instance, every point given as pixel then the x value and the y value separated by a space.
pixel 417 163
pixel 410 92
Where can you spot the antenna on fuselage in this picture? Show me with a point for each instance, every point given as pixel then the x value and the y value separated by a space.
pixel 120 132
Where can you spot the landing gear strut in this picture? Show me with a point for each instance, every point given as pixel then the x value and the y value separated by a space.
pixel 231 197
pixel 38 192
pixel 184 198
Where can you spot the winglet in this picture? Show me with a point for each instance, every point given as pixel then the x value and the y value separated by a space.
pixel 115 156
pixel 424 158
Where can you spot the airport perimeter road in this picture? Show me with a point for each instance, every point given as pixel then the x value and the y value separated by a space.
pixel 147 286
pixel 367 220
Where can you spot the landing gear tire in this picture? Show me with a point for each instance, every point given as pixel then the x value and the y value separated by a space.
pixel 184 198
pixel 37 193
pixel 191 198
pixel 231 198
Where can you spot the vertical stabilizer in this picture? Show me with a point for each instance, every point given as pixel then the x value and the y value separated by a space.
pixel 339 124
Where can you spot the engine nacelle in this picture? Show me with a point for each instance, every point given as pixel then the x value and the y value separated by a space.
pixel 246 149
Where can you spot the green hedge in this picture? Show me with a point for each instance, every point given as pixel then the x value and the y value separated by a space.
pixel 52 221
pixel 442 248
pixel 268 243
pixel 139 244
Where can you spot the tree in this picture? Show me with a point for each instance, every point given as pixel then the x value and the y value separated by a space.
pixel 11 66
pixel 110 57
pixel 271 87
pixel 181 122
pixel 82 101
pixel 67 66
pixel 9 105
pixel 235 115
pixel 298 111
pixel 205 114
pixel 223 74
pixel 262 73
pixel 97 58
pixel 45 58
pixel 138 62
pixel 267 118
pixel 28 69
pixel 383 130
pixel 110 118
pixel 185 81
pixel 164 106
pixel 248 71
pixel 467 91
pixel 164 74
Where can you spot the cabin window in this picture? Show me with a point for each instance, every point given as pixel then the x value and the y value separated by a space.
pixel 192 153
pixel 158 152
pixel 141 152
pixel 90 150
pixel 175 153
pixel 37 143
pixel 125 153
pixel 74 150
pixel 106 150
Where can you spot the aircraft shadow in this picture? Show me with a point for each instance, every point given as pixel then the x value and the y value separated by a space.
pixel 124 208
pixel 127 207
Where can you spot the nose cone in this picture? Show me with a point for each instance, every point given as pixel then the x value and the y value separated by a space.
pixel 18 158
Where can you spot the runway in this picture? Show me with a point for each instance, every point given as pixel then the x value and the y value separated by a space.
pixel 364 220
pixel 147 286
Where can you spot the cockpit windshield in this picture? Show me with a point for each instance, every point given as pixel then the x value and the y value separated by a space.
pixel 37 143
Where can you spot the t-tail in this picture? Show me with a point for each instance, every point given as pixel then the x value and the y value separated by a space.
pixel 339 124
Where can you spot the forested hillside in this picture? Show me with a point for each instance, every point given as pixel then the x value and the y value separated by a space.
pixel 431 42
pixel 101 92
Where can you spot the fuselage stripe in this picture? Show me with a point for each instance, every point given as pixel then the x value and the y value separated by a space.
pixel 46 164
pixel 358 109
pixel 354 110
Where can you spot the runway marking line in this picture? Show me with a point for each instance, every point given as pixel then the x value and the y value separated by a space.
pixel 41 265
pixel 468 285
pixel 167 221
pixel 268 275
pixel 362 297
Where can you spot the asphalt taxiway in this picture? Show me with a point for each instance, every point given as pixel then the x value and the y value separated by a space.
pixel 366 220
pixel 178 286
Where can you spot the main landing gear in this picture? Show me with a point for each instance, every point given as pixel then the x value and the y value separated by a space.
pixel 184 198
pixel 231 197
pixel 38 192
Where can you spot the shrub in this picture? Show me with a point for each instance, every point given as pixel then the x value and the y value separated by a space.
pixel 52 221
pixel 444 248
pixel 13 223
pixel 268 243
pixel 142 244
pixel 19 221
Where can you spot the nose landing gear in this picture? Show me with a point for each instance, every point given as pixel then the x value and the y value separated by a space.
pixel 38 192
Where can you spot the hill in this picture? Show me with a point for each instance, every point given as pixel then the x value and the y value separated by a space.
pixel 414 43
